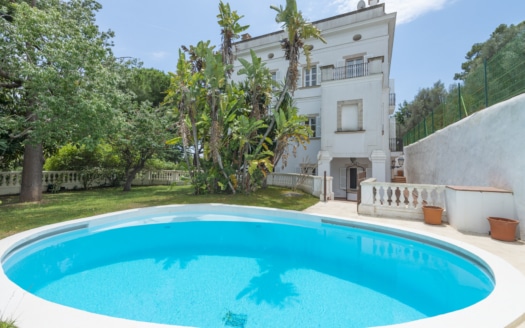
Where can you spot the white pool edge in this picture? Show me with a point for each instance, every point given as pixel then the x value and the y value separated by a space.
pixel 504 307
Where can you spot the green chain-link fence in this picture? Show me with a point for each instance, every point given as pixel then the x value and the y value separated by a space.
pixel 498 79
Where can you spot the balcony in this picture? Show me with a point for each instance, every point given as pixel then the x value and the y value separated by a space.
pixel 332 73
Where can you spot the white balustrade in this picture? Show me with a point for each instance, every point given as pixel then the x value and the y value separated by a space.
pixel 164 177
pixel 399 200
pixel 10 182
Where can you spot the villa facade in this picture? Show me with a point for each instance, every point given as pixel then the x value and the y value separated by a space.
pixel 346 94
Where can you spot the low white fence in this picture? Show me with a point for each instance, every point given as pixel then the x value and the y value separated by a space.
pixel 165 177
pixel 10 182
pixel 399 200
pixel 308 183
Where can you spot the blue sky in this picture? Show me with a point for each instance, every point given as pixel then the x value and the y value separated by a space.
pixel 431 39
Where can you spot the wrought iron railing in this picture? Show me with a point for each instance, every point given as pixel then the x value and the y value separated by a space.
pixel 344 72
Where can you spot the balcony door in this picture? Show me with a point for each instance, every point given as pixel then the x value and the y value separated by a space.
pixel 355 67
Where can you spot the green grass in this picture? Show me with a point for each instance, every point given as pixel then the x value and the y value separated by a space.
pixel 16 217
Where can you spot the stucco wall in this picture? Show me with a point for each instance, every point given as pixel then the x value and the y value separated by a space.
pixel 485 149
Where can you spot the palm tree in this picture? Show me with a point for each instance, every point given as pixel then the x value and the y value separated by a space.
pixel 184 94
pixel 214 74
pixel 298 30
pixel 230 31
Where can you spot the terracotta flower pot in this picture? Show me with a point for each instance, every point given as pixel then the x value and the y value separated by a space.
pixel 503 229
pixel 432 214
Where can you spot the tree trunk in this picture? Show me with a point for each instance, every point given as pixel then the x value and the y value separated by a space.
pixel 127 184
pixel 31 189
pixel 130 176
pixel 132 170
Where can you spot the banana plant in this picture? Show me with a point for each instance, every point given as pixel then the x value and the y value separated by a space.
pixel 230 31
pixel 298 30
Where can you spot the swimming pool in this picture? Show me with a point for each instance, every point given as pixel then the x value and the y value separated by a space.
pixel 281 265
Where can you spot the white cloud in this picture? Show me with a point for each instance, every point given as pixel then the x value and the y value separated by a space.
pixel 407 10
pixel 159 54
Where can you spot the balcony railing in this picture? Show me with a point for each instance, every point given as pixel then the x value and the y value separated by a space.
pixel 392 100
pixel 332 73
pixel 346 72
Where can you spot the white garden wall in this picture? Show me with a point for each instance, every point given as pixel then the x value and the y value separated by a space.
pixel 484 149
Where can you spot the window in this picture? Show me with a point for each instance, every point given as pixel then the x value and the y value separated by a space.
pixel 350 115
pixel 314 123
pixel 310 77
pixel 311 122
pixel 355 67
pixel 274 76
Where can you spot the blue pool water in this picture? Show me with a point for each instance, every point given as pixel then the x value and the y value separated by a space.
pixel 208 270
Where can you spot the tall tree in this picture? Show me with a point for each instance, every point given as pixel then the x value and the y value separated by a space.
pixel 230 31
pixel 214 75
pixel 297 31
pixel 143 134
pixel 185 96
pixel 147 84
pixel 485 50
pixel 62 70
pixel 144 129
pixel 426 100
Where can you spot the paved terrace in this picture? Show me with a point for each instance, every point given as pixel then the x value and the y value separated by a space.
pixel 512 252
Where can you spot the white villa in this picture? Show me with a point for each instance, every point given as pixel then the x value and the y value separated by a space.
pixel 347 95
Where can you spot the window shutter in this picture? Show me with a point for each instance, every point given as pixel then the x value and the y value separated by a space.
pixel 342 178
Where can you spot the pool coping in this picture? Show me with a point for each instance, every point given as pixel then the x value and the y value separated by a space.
pixel 504 307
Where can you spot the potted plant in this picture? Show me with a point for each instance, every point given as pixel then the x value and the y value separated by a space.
pixel 502 228
pixel 432 214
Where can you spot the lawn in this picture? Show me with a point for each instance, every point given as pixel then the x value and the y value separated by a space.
pixel 63 206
